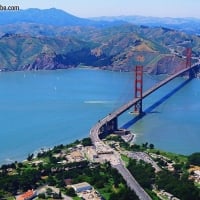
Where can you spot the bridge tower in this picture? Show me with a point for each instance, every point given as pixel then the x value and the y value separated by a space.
pixel 188 57
pixel 189 63
pixel 138 88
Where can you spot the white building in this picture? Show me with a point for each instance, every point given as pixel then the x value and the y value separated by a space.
pixel 81 187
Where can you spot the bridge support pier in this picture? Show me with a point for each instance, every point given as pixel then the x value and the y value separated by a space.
pixel 108 128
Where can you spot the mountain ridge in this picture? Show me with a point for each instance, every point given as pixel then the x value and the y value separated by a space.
pixel 51 16
pixel 188 24
pixel 28 45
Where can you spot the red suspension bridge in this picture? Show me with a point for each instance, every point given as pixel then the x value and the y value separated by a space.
pixel 109 124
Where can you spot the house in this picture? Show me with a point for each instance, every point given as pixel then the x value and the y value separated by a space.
pixel 30 194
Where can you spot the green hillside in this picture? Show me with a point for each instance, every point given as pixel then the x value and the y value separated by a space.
pixel 120 47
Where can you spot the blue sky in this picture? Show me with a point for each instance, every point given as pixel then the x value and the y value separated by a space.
pixel 93 8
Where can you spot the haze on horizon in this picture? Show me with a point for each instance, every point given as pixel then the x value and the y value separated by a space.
pixel 97 8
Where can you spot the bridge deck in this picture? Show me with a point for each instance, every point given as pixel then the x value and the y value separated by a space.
pixel 95 131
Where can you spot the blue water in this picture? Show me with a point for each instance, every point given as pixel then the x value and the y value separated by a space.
pixel 175 124
pixel 47 108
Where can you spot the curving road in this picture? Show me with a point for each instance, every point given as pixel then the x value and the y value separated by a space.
pixel 115 160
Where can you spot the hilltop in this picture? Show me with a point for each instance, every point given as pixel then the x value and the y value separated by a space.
pixel 51 16
pixel 58 40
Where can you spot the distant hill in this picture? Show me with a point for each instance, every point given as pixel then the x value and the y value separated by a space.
pixel 189 25
pixel 52 16
pixel 53 39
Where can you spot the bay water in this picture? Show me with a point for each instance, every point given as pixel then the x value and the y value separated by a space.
pixel 47 108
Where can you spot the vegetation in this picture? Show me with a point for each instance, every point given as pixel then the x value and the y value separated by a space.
pixel 19 177
pixel 178 185
pixel 46 168
pixel 143 172
pixel 172 156
pixel 86 142
pixel 194 159
pixel 173 182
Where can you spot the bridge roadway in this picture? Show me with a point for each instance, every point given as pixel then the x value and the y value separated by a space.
pixel 114 158
pixel 116 161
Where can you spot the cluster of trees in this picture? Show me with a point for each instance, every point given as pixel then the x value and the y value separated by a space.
pixel 143 172
pixel 50 194
pixel 175 182
pixel 24 176
pixel 194 159
pixel 104 178
pixel 22 181
pixel 178 185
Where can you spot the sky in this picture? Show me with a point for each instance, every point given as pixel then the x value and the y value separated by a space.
pixel 95 8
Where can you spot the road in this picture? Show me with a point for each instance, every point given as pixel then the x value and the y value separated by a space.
pixel 115 159
pixel 132 183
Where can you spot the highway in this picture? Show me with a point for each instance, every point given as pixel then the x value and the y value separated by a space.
pixel 115 159
pixel 132 183
pixel 106 152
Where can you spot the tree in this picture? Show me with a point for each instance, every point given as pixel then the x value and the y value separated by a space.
pixel 151 146
pixel 123 194
pixel 60 195
pixel 145 145
pixel 71 192
pixel 86 142
pixel 41 196
pixel 57 196
pixel 49 191
pixel 135 147
pixel 178 166
pixel 194 159
pixel 30 157
pixel 51 181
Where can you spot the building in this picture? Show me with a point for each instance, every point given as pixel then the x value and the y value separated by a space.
pixel 81 187
pixel 30 194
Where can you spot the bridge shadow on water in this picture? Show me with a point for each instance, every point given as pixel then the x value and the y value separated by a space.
pixel 156 104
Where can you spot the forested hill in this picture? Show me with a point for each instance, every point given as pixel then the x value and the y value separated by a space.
pixel 28 43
